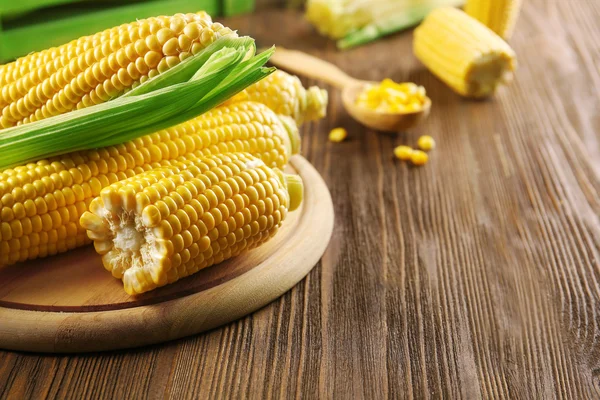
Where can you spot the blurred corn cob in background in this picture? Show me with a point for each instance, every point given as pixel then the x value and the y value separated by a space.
pixel 463 53
pixel 355 22
pixel 498 15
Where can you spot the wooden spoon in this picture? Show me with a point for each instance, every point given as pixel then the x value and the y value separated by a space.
pixel 301 63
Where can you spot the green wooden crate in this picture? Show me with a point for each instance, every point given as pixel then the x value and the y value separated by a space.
pixel 32 25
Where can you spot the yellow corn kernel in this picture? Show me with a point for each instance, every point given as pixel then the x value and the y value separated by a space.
pixel 338 135
pixel 403 153
pixel 498 15
pixel 426 143
pixel 284 94
pixel 94 69
pixel 53 193
pixel 392 97
pixel 419 157
pixel 462 52
pixel 202 212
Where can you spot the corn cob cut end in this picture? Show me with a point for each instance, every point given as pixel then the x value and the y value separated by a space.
pixel 488 73
pixel 170 222
pixel 294 142
pixel 316 103
pixel 295 188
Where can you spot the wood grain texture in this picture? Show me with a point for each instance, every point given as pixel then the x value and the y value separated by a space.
pixel 476 276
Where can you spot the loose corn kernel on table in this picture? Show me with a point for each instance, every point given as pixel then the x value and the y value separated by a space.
pixel 474 276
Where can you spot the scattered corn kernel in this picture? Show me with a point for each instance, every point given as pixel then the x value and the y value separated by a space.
pixel 392 97
pixel 403 153
pixel 426 143
pixel 338 135
pixel 419 157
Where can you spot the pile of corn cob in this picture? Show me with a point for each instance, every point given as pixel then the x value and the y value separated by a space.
pixel 162 206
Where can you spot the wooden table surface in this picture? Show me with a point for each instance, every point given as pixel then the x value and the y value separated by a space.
pixel 476 276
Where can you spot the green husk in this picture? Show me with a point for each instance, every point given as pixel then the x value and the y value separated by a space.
pixel 188 90
pixel 186 70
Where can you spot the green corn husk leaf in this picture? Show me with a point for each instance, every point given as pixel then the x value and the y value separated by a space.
pixel 186 94
pixel 191 65
pixel 242 76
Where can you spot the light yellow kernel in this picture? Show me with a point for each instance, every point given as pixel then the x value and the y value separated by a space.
pixel 403 153
pixel 426 143
pixel 419 157
pixel 338 135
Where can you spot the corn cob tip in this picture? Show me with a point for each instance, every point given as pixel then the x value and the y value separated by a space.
pixel 295 188
pixel 316 104
pixel 293 134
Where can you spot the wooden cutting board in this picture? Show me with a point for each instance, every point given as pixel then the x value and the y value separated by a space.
pixel 69 303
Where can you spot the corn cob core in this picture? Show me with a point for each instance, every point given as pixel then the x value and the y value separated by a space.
pixel 168 223
pixel 284 94
pixel 97 68
pixel 463 53
pixel 40 203
pixel 498 15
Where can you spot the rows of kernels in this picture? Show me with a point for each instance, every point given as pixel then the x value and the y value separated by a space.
pixel 245 126
pixel 284 94
pixel 38 188
pixel 201 212
pixel 46 233
pixel 94 69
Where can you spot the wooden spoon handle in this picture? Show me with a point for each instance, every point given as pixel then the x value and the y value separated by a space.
pixel 301 63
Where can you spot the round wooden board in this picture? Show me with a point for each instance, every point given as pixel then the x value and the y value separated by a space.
pixel 69 303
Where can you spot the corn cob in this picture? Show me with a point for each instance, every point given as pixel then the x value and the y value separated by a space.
pixel 284 94
pixel 498 15
pixel 463 53
pixel 97 68
pixel 339 19
pixel 40 203
pixel 168 223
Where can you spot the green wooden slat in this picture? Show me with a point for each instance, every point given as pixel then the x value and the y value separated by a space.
pixel 19 6
pixel 20 41
pixel 235 7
